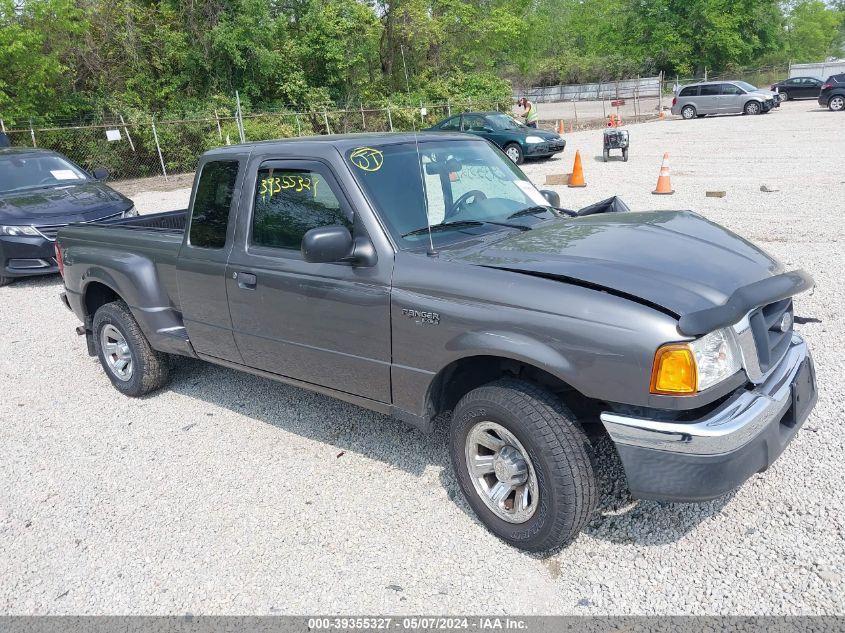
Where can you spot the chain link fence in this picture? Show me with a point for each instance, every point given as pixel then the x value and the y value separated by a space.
pixel 143 147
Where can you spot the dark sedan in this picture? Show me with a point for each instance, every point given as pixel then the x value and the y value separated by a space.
pixel 40 192
pixel 516 140
pixel 798 88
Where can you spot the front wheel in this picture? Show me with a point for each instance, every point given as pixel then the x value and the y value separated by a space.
pixel 133 367
pixel 523 464
pixel 784 96
pixel 836 104
pixel 514 152
pixel 752 107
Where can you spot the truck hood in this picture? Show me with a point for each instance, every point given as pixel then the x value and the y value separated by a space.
pixel 64 204
pixel 676 260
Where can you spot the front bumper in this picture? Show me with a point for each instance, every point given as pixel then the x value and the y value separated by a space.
pixel 24 256
pixel 705 458
pixel 544 149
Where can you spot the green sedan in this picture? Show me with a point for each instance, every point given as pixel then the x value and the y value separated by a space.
pixel 516 140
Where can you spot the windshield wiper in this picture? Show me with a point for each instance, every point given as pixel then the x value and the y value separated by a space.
pixel 434 228
pixel 529 211
pixel 540 209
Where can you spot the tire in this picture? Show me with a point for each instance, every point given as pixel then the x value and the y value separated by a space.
pixel 784 96
pixel 752 108
pixel 147 369
pixel 625 154
pixel 514 152
pixel 836 103
pixel 606 154
pixel 688 112
pixel 538 440
pixel 5 281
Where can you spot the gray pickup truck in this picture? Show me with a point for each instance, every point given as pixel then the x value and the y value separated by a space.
pixel 422 275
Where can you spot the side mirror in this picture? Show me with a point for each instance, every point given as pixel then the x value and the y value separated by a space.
pixel 551 196
pixel 100 173
pixel 327 244
pixel 487 128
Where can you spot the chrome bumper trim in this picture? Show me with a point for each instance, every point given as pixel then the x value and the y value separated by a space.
pixel 727 428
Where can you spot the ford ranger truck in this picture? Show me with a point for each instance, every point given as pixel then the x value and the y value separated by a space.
pixel 420 275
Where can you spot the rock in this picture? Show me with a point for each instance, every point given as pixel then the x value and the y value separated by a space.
pixel 768 189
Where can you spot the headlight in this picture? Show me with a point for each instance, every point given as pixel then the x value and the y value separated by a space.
pixel 534 139
pixel 18 230
pixel 686 368
pixel 131 212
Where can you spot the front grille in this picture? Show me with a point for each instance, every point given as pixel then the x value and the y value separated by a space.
pixel 51 230
pixel 770 339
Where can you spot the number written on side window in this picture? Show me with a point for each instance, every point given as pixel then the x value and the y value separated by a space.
pixel 288 203
pixel 210 216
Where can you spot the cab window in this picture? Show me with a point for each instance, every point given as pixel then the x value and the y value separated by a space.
pixel 710 90
pixel 730 89
pixel 289 203
pixel 689 91
pixel 213 199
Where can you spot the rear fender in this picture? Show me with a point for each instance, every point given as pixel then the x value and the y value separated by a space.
pixel 136 281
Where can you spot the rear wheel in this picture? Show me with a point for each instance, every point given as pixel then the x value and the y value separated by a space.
pixel 606 154
pixel 514 152
pixel 688 112
pixel 836 103
pixel 752 107
pixel 522 464
pixel 625 154
pixel 133 367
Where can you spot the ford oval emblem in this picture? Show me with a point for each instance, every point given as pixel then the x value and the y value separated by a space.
pixel 786 322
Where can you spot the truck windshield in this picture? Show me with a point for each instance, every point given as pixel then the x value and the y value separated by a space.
pixel 464 188
pixel 34 171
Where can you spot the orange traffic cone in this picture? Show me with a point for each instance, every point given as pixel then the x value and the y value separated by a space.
pixel 576 178
pixel 664 185
pixel 561 127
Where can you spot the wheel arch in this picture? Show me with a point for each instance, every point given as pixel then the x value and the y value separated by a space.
pixel 469 372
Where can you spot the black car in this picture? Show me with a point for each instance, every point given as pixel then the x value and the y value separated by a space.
pixel 516 140
pixel 798 88
pixel 41 191
pixel 832 94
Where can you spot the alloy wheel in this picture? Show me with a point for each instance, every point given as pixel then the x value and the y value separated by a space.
pixel 502 473
pixel 116 352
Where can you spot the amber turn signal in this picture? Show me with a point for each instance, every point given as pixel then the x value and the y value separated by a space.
pixel 674 372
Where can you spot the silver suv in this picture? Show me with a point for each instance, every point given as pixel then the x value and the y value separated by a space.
pixel 722 97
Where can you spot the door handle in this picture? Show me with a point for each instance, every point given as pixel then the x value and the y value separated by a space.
pixel 247 281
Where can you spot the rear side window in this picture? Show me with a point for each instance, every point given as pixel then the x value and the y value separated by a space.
pixel 452 124
pixel 710 91
pixel 290 202
pixel 210 216
pixel 689 91
pixel 840 79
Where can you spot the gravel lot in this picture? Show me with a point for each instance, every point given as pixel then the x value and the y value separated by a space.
pixel 227 493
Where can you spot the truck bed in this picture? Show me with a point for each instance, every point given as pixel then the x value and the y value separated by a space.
pixel 142 247
pixel 171 221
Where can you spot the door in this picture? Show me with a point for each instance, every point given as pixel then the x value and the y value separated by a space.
pixel 708 99
pixel 326 324
pixel 201 268
pixel 810 87
pixel 731 99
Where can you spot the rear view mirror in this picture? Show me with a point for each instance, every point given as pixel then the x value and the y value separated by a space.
pixel 100 173
pixel 449 166
pixel 327 244
pixel 551 196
